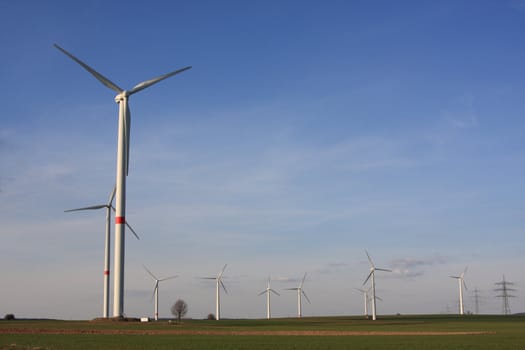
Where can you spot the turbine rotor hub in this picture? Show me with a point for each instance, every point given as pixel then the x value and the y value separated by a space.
pixel 122 96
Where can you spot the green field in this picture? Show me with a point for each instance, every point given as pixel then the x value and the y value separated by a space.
pixel 493 332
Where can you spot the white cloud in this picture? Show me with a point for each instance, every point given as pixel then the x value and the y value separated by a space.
pixel 413 267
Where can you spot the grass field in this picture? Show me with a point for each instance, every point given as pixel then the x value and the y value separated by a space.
pixel 395 332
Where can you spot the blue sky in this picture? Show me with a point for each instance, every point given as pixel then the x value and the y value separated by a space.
pixel 305 133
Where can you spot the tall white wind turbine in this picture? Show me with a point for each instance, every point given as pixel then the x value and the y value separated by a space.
pixel 300 293
pixel 373 269
pixel 219 284
pixel 156 289
pixel 461 283
pixel 268 292
pixel 107 254
pixel 124 124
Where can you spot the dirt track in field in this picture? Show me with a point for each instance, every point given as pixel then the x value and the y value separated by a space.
pixel 223 332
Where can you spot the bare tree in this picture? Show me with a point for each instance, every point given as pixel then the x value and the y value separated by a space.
pixel 179 309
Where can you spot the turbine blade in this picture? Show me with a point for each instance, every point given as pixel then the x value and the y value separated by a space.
pixel 369 258
pixel 261 293
pixel 271 290
pixel 208 278
pixel 222 271
pixel 369 275
pixel 127 122
pixel 112 196
pixel 150 273
pixel 302 282
pixel 306 296
pixel 87 208
pixel 96 74
pixel 128 225
pixel 223 286
pixel 386 270
pixel 168 278
pixel 378 298
pixel 456 277
pixel 132 230
pixel 464 284
pixel 464 272
pixel 291 288
pixel 148 83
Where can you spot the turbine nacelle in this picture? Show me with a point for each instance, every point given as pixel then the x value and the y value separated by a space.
pixel 122 96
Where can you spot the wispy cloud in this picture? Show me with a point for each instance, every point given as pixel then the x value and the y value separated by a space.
pixel 465 120
pixel 414 267
pixel 462 114
pixel 332 268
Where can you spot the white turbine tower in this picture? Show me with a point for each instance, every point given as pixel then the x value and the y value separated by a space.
pixel 300 293
pixel 461 283
pixel 156 289
pixel 373 269
pixel 107 253
pixel 219 284
pixel 124 124
pixel 268 291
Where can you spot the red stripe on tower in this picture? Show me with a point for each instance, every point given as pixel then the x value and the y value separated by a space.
pixel 106 273
pixel 120 220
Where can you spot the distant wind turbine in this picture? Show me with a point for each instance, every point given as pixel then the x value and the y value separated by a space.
pixel 107 254
pixel 367 298
pixel 124 124
pixel 461 283
pixel 156 289
pixel 300 293
pixel 268 292
pixel 219 284
pixel 373 269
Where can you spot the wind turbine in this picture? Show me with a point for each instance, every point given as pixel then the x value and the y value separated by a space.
pixel 268 291
pixel 218 281
pixel 156 289
pixel 107 254
pixel 300 292
pixel 124 124
pixel 367 298
pixel 373 269
pixel 461 283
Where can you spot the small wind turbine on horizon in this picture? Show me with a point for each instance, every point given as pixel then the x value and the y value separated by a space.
pixel 268 292
pixel 124 124
pixel 300 293
pixel 373 269
pixel 107 248
pixel 219 284
pixel 461 283
pixel 156 289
